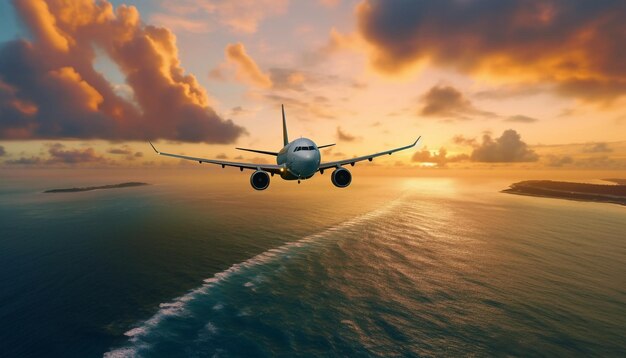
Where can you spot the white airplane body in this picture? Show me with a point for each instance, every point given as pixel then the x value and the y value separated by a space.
pixel 297 160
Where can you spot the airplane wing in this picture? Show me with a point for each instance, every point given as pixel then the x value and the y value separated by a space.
pixel 271 168
pixel 351 161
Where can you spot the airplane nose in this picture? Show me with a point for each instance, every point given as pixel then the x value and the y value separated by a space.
pixel 307 164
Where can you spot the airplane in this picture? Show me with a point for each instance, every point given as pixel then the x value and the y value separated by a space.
pixel 297 160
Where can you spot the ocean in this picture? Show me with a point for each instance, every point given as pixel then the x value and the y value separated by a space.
pixel 198 264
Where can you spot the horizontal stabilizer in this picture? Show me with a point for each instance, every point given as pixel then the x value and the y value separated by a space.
pixel 258 151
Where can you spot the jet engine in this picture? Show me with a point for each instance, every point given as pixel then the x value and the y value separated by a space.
pixel 260 180
pixel 341 177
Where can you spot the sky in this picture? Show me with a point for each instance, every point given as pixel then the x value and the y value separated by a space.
pixel 533 84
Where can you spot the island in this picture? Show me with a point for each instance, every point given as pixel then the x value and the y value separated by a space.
pixel 89 188
pixel 615 194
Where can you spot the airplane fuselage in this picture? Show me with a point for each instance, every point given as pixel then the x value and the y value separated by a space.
pixel 301 159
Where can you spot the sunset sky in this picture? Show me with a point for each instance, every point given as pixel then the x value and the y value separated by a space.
pixel 486 83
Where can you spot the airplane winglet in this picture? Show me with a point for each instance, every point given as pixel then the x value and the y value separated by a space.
pixel 325 146
pixel 417 140
pixel 155 150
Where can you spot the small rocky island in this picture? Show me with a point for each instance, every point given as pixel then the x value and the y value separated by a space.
pixel 89 188
pixel 615 194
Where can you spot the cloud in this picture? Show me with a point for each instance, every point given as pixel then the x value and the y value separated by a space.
pixel 559 161
pixel 247 70
pixel 2 151
pixel 179 23
pixel 507 148
pixel 449 102
pixel 221 156
pixel 599 147
pixel 462 140
pixel 125 150
pixel 343 136
pixel 58 154
pixel 286 78
pixel 521 119
pixel 511 91
pixel 50 89
pixel 242 16
pixel 576 46
pixel 440 158
pixel 304 109
pixel 24 161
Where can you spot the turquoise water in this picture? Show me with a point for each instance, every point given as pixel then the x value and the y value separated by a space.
pixel 388 267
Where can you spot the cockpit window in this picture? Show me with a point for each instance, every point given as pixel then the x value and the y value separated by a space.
pixel 304 148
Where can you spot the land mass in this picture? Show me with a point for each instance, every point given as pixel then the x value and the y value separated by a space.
pixel 615 194
pixel 89 188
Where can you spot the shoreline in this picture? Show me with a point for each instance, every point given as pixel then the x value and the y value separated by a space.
pixel 90 188
pixel 612 194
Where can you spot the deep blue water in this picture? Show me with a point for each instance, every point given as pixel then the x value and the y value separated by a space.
pixel 388 267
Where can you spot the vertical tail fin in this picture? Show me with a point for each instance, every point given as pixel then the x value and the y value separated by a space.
pixel 285 138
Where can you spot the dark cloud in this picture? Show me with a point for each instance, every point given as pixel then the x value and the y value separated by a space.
pixel 138 154
pixel 50 89
pixel 599 147
pixel 520 119
pixel 507 148
pixel 58 154
pixel 448 102
pixel 2 151
pixel 25 161
pixel 576 45
pixel 222 156
pixel 343 136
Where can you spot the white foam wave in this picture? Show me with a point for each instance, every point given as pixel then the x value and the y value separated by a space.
pixel 178 306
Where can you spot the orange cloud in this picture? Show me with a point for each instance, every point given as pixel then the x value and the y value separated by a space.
pixel 576 46
pixel 247 69
pixel 42 23
pixel 73 100
pixel 241 16
pixel 80 90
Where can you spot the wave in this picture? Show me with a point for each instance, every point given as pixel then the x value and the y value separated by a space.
pixel 178 307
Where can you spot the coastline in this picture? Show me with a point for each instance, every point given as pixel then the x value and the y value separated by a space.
pixel 613 194
pixel 90 188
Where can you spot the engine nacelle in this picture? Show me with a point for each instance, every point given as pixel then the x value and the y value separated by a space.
pixel 260 180
pixel 341 177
